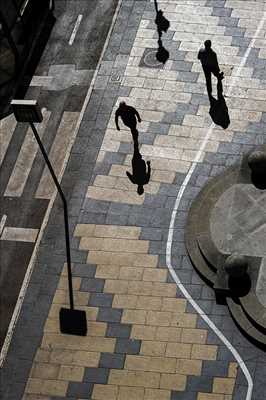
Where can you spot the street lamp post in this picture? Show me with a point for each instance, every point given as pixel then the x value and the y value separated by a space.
pixel 71 321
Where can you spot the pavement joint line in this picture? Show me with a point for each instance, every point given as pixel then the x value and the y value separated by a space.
pixel 74 32
pixel 29 271
pixel 2 223
pixel 172 223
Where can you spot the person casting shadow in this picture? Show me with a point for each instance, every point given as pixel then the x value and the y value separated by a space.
pixel 140 175
pixel 218 108
pixel 209 62
pixel 162 24
pixel 128 115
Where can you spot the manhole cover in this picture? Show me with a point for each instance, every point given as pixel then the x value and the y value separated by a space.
pixel 150 59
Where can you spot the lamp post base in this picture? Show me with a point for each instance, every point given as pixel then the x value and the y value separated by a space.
pixel 73 322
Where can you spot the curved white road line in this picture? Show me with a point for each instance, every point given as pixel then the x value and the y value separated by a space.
pixel 172 223
pixel 29 271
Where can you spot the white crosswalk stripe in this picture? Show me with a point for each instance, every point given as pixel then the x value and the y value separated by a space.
pixel 7 127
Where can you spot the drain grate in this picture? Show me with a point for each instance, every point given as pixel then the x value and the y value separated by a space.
pixel 149 59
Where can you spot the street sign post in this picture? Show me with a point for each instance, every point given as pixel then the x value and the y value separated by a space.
pixel 71 321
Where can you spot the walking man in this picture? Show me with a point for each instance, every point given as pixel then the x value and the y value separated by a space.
pixel 209 62
pixel 128 115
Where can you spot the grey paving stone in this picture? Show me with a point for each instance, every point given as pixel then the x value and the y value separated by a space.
pixel 115 219
pixel 92 285
pixel 127 346
pixel 15 391
pixel 117 208
pixel 184 275
pixel 79 389
pixel 215 3
pixel 173 118
pixel 199 383
pixel 100 300
pixel 115 361
pixel 114 158
pixel 96 375
pixel 186 395
pixel 228 21
pixel 240 41
pixel 181 66
pixel 118 330
pixel 214 368
pixel 109 315
pixel 159 128
pixel 155 200
pixel 221 12
pixel 126 148
pixel 188 76
pixel 234 31
pixel 92 218
pixel 151 234
pixel 96 206
pixel 84 270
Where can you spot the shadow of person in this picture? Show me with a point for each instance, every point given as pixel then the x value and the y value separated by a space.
pixel 162 24
pixel 140 174
pixel 218 108
pixel 209 62
pixel 129 116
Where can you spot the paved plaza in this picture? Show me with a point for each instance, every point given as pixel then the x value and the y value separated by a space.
pixel 147 340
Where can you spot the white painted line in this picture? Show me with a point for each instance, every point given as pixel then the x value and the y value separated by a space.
pixel 25 159
pixel 2 223
pixel 41 80
pixel 172 224
pixel 29 271
pixel 73 34
pixel 19 234
pixel 7 127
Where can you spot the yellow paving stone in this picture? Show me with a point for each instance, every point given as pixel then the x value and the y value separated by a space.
pixel 116 286
pixel 84 230
pixel 173 382
pixel 149 303
pixel 103 180
pixel 124 301
pixel 209 396
pixel 152 348
pixel 184 320
pixel 134 316
pixel 51 325
pixel 35 397
pixel 131 273
pixel 130 393
pixel 145 260
pixel 53 341
pixel 137 363
pixel 189 367
pixel 126 245
pixel 47 387
pixel 160 318
pixel 62 297
pixel 61 356
pixel 189 335
pixel 163 289
pixel 134 378
pixel 155 275
pixel 104 392
pixel 107 271
pixel 124 232
pixel 96 328
pixel 140 288
pixel 143 332
pixel 228 397
pixel 204 352
pixel 63 283
pixel 119 170
pixel 163 176
pixel 71 373
pixel 178 350
pixel 86 358
pixel 110 258
pixel 168 334
pixel 223 385
pixel 175 305
pixel 91 243
pixel 162 364
pixel 45 371
pixel 42 356
pixel 115 195
pixel 157 394
pixel 232 370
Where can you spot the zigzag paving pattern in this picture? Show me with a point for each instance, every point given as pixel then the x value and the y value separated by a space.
pixel 145 341
pixel 141 342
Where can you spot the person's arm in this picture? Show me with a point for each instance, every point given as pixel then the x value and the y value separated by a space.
pixel 130 176
pixel 137 114
pixel 116 120
pixel 199 54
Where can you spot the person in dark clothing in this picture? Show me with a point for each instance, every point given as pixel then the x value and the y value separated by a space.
pixel 209 62
pixel 140 176
pixel 128 115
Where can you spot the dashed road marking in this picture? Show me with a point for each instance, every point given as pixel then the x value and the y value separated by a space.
pixel 73 34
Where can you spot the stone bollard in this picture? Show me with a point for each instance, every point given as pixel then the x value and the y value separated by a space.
pixel 236 266
pixel 257 162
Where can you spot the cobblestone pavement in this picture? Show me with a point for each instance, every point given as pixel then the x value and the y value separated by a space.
pixel 145 341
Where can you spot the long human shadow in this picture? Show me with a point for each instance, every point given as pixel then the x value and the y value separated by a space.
pixel 140 171
pixel 218 108
pixel 162 24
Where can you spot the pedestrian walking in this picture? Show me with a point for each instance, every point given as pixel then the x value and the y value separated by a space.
pixel 140 175
pixel 209 62
pixel 129 116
